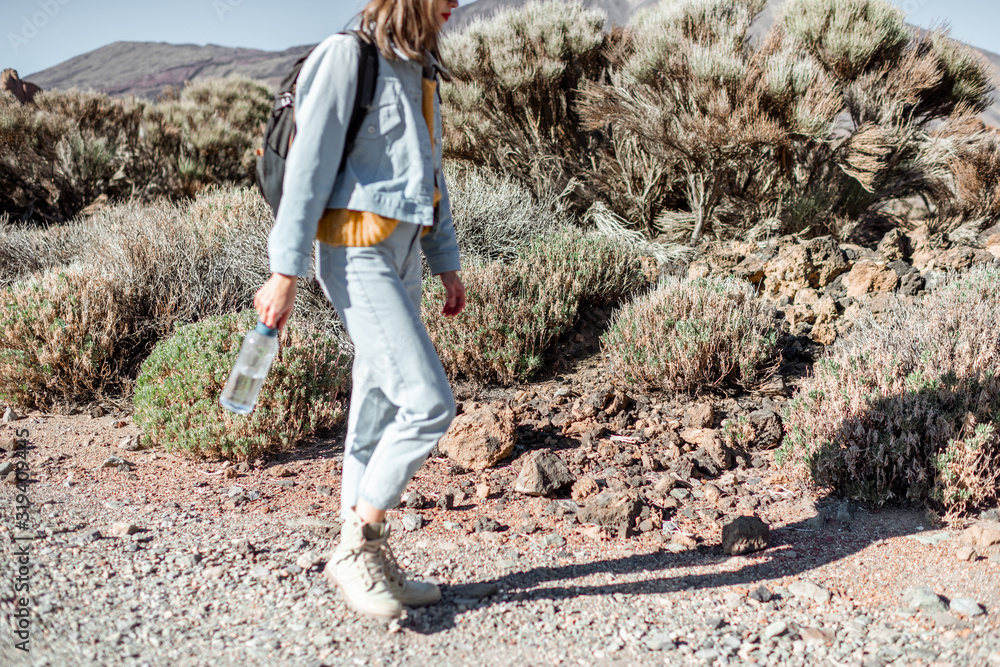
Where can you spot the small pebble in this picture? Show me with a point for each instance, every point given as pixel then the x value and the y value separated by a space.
pixel 966 607
pixel 761 594
pixel 775 629
pixel 966 553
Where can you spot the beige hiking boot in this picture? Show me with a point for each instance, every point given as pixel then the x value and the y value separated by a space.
pixel 357 568
pixel 409 592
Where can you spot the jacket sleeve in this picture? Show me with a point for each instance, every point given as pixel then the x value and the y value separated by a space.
pixel 324 100
pixel 440 245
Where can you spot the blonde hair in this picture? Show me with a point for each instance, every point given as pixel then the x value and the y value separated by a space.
pixel 408 26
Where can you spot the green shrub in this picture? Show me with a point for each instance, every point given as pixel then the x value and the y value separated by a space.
pixel 689 335
pixel 517 310
pixel 906 408
pixel 850 37
pixel 177 392
pixel 67 337
pixel 221 123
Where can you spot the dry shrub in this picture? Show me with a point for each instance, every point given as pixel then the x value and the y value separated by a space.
pixel 68 337
pixel 29 179
pixel 512 105
pixel 517 310
pixel 905 408
pixel 189 260
pixel 970 199
pixel 27 249
pixel 683 125
pixel 247 219
pixel 689 335
pixel 72 147
pixel 196 259
pixel 160 265
pixel 743 137
pixel 177 392
pixel 182 258
pixel 178 263
pixel 703 122
pixel 495 215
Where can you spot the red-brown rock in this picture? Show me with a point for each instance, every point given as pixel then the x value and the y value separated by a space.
pixel 868 276
pixel 23 91
pixel 480 437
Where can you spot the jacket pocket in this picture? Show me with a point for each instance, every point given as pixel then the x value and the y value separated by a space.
pixel 380 121
pixel 382 128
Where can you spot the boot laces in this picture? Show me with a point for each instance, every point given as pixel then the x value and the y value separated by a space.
pixel 391 566
pixel 371 569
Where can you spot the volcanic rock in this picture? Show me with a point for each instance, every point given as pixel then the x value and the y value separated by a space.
pixel 480 437
pixel 23 91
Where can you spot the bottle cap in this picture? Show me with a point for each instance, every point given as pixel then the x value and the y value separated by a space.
pixel 265 330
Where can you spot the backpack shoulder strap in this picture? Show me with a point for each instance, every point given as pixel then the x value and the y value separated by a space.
pixel 367 81
pixel 288 83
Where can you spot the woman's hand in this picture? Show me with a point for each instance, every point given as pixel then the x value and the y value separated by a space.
pixel 454 293
pixel 275 300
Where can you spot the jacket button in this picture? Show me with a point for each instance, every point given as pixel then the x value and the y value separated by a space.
pixel 371 129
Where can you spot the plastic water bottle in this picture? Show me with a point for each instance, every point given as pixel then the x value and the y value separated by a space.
pixel 256 355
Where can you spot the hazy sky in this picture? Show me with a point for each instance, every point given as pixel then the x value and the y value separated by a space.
pixel 38 34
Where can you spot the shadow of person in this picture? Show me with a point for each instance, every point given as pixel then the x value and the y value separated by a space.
pixel 706 567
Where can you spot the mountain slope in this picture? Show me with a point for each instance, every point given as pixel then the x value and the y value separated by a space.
pixel 619 11
pixel 992 115
pixel 145 69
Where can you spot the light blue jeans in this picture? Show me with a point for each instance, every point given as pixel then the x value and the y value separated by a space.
pixel 401 402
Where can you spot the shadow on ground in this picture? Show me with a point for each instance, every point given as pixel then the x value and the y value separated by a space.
pixel 814 548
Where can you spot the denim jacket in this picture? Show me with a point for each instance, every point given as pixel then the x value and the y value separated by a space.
pixel 390 171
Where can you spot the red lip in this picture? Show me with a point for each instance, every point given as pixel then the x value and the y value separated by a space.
pixel 446 16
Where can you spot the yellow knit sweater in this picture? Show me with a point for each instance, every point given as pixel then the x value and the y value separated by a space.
pixel 343 227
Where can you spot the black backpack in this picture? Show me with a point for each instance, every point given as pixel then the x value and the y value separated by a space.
pixel 280 129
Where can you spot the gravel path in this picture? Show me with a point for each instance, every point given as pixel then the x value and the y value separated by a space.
pixel 160 562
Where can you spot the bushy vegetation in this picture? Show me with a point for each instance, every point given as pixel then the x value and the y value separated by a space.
pixel 685 125
pixel 123 279
pixel 27 249
pixel 970 199
pixel 518 309
pixel 681 127
pixel 177 392
pixel 906 408
pixel 69 337
pixel 514 103
pixel 495 215
pixel 62 154
pixel 689 335
pixel 221 124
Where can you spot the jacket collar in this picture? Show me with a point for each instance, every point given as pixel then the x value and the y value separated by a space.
pixel 432 68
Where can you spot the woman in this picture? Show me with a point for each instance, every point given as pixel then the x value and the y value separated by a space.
pixel 371 221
